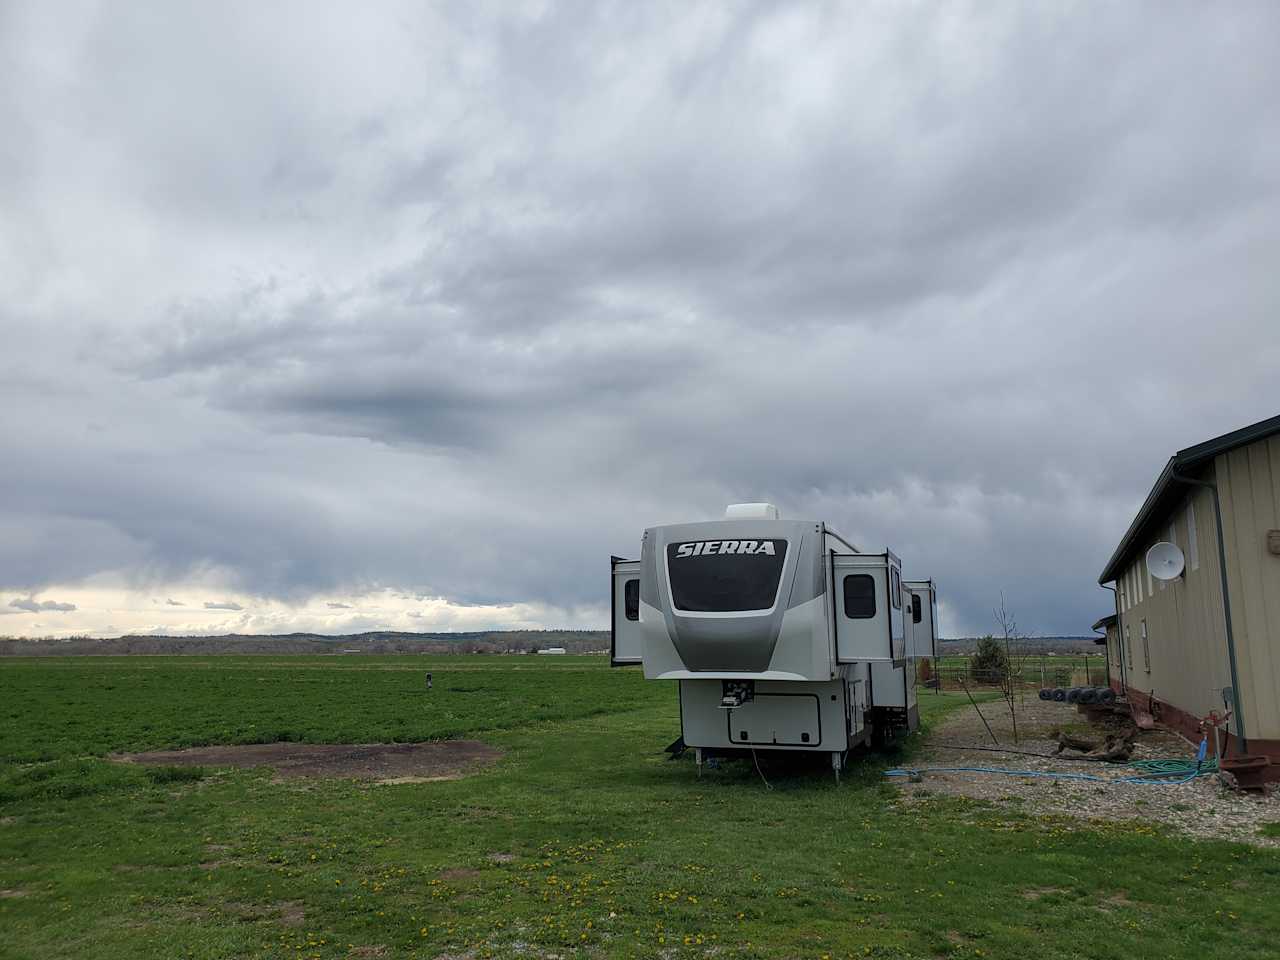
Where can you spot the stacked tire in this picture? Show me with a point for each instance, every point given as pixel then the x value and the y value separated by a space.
pixel 1085 695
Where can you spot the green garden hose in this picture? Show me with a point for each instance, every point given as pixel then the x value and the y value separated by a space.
pixel 1174 768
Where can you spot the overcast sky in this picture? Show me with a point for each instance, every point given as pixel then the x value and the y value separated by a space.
pixel 322 318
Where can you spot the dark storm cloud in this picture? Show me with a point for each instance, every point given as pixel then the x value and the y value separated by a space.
pixel 32 605
pixel 457 302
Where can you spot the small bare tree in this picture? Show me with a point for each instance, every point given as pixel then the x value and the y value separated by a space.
pixel 1015 657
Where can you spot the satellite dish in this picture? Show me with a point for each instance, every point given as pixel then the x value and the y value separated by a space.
pixel 1165 561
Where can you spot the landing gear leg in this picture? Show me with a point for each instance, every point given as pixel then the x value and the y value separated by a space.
pixel 836 764
pixel 697 755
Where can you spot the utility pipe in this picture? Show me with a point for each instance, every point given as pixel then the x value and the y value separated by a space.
pixel 1124 675
pixel 1226 604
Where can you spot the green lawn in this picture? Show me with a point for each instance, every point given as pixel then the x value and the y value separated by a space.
pixel 583 841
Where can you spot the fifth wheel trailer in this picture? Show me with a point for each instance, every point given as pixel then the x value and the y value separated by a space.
pixel 782 634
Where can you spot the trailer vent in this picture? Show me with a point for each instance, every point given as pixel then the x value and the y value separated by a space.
pixel 752 511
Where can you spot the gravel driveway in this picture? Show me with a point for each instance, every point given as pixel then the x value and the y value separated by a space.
pixel 1201 808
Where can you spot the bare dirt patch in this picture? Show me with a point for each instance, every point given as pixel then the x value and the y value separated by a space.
pixel 1035 893
pixel 381 762
pixel 1114 902
pixel 459 873
pixel 1200 808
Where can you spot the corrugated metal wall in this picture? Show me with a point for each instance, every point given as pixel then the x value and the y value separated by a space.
pixel 1249 484
pixel 1186 637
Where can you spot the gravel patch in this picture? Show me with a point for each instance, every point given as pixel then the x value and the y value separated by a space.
pixel 1201 808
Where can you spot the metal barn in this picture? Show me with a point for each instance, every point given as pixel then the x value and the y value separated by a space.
pixel 1207 638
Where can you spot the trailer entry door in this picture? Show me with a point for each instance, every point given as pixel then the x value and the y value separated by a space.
pixel 626 644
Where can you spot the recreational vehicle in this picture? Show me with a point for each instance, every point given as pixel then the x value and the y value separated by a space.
pixel 781 634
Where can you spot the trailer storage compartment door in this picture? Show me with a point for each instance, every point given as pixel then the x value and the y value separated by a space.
pixel 626 644
pixel 859 586
pixel 777 720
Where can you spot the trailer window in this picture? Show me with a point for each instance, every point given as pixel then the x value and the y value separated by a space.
pixel 631 596
pixel 895 591
pixel 724 576
pixel 916 615
pixel 859 596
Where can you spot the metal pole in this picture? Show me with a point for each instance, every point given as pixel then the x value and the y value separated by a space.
pixel 1226 606
pixel 980 716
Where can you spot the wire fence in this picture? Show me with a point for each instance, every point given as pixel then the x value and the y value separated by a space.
pixel 957 672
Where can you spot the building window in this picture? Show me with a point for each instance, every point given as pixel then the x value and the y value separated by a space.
pixel 1193 545
pixel 631 594
pixel 859 596
pixel 1146 648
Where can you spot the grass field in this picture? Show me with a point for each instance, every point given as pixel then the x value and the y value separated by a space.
pixel 584 841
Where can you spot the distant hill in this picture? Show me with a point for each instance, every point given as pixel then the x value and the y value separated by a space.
pixel 382 641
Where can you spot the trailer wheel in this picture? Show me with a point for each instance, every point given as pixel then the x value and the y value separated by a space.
pixel 1059 694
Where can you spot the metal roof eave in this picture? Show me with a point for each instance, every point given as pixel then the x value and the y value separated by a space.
pixel 1122 551
pixel 1184 460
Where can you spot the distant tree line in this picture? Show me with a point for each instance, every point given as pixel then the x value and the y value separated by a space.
pixel 379 642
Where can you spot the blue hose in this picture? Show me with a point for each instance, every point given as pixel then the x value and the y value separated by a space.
pixel 902 772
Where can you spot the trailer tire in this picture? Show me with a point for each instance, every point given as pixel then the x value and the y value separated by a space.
pixel 1073 695
pixel 1088 695
pixel 1059 695
pixel 1046 693
pixel 1106 695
